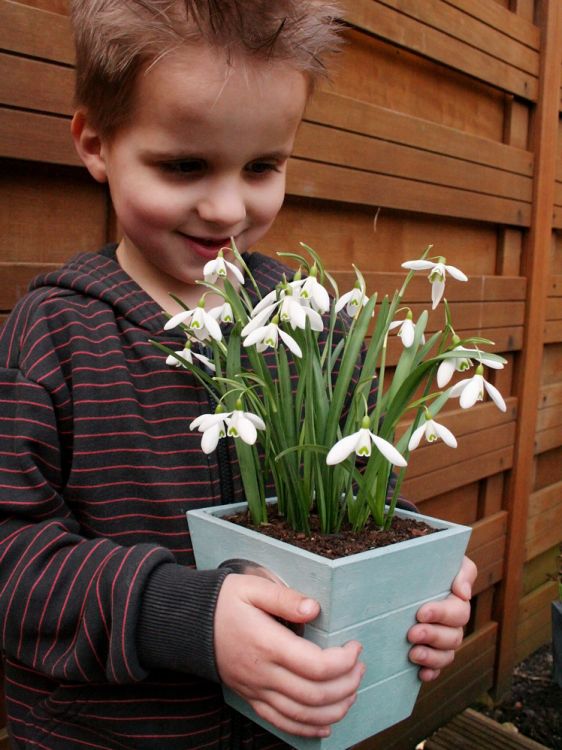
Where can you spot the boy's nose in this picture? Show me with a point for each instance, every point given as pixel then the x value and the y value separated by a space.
pixel 223 205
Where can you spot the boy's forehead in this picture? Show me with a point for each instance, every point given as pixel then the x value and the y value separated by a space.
pixel 194 80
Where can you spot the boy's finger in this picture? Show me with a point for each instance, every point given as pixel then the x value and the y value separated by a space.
pixel 462 585
pixel 451 612
pixel 281 601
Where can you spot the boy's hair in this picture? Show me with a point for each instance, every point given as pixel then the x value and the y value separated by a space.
pixel 116 39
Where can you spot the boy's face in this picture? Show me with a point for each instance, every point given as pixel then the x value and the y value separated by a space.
pixel 202 159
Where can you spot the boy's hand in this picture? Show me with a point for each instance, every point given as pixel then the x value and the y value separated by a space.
pixel 292 683
pixel 439 631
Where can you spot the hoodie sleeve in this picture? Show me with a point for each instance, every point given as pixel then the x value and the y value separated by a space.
pixel 70 605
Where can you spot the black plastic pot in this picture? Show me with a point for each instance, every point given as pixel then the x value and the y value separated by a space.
pixel 557 642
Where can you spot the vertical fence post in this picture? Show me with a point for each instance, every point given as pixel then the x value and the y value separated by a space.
pixel 535 262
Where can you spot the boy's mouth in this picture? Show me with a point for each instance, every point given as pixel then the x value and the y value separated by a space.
pixel 205 247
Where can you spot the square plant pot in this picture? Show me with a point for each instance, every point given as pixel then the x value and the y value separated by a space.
pixel 371 597
pixel 557 642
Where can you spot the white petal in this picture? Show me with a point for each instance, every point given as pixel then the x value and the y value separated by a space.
pixel 493 363
pixel 256 336
pixel 445 371
pixel 445 434
pixel 247 430
pixel 212 326
pixel 395 324
pixel 205 360
pixel 321 298
pixel 315 319
pixel 210 439
pixel 342 449
pixel 255 419
pixel 363 444
pixel 269 299
pixel 416 437
pixel 178 318
pixel 459 387
pixel 258 320
pixel 388 451
pixel 204 421
pixel 496 396
pixel 407 333
pixel 418 265
pixel 293 312
pixel 437 289
pixel 472 392
pixel 343 300
pixel 456 273
pixel 290 343
pixel 236 271
pixel 210 270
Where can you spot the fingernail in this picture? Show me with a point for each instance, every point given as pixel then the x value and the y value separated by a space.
pixel 307 607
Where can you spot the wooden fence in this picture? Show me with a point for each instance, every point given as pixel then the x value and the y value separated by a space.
pixel 443 121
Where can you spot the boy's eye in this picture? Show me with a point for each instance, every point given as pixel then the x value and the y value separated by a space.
pixel 262 167
pixel 185 166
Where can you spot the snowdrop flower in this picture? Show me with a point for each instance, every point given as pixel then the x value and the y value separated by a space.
pixel 432 431
pixel 406 331
pixel 268 336
pixel 353 301
pixel 360 442
pixel 449 366
pixel 212 426
pixel 197 321
pixel 471 390
pixel 187 354
pixel 219 268
pixel 436 276
pixel 222 313
pixel 292 311
pixel 244 424
pixel 312 292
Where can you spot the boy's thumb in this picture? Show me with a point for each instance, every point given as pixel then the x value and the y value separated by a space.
pixel 277 599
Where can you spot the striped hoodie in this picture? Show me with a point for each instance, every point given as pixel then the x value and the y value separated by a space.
pixel 106 629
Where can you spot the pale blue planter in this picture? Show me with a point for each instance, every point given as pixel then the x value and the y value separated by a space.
pixel 372 597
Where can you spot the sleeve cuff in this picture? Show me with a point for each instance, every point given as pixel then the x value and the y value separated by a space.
pixel 176 621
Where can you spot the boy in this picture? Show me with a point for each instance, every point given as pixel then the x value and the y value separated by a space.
pixel 110 638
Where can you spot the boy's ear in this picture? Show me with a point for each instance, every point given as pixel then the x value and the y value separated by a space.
pixel 88 144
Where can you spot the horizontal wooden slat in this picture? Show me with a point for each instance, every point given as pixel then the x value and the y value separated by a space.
pixel 450 477
pixel 35 85
pixel 552 331
pixel 388 125
pixel 328 182
pixel 352 150
pixel 548 537
pixel 555 289
pixel 398 25
pixel 554 308
pixel 550 395
pixel 43 138
pixel 545 499
pixel 548 439
pixel 550 417
pixel 429 458
pixel 495 15
pixel 34 32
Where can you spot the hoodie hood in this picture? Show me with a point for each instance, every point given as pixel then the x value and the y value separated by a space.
pixel 99 276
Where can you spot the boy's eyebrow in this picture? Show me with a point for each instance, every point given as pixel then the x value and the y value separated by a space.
pixel 280 155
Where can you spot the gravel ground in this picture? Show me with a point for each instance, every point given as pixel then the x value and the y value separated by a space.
pixel 534 704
